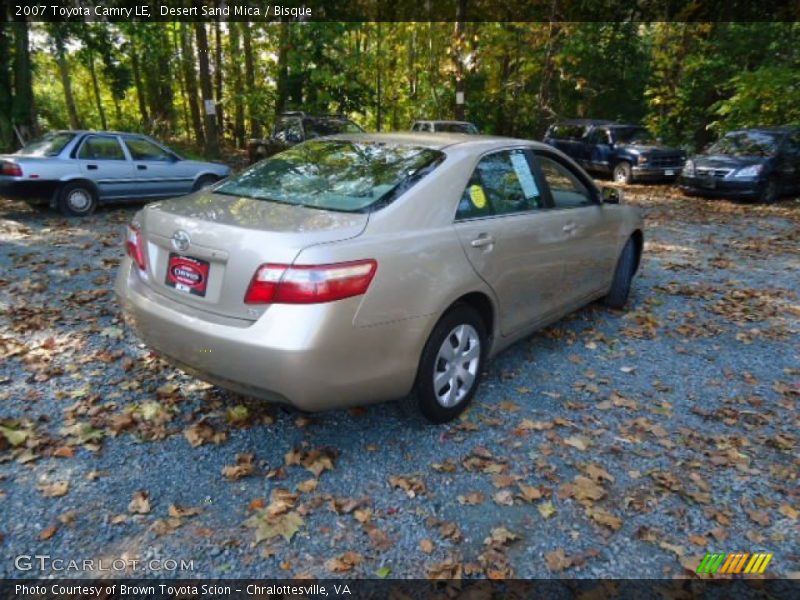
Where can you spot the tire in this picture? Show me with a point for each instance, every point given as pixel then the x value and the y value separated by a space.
pixel 623 275
pixel 204 182
pixel 77 199
pixel 460 329
pixel 622 173
pixel 770 192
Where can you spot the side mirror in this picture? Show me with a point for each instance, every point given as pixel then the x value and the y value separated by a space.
pixel 611 195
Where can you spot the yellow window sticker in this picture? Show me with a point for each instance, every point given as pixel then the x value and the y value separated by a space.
pixel 477 196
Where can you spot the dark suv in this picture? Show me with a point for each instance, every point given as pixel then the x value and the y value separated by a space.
pixel 626 152
pixel 294 127
pixel 760 164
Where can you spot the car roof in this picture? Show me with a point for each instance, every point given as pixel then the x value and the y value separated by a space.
pixel 82 131
pixel 777 129
pixel 596 122
pixel 437 141
pixel 443 121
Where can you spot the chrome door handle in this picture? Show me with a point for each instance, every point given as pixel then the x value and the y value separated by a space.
pixel 569 227
pixel 482 241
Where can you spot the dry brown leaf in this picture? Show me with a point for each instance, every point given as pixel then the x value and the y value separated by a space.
pixel 243 468
pixel 344 563
pixel 55 489
pixel 140 503
pixel 426 546
pixel 177 512
pixel 557 560
pixel 47 533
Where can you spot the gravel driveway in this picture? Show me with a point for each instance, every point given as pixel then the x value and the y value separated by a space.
pixel 611 444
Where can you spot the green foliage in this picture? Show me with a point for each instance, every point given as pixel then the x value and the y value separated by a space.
pixel 687 81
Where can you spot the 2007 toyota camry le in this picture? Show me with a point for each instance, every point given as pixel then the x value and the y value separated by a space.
pixel 370 267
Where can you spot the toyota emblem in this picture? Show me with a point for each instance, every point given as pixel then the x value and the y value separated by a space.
pixel 180 240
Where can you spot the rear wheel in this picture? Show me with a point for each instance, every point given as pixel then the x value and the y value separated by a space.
pixel 204 182
pixel 623 173
pixel 450 366
pixel 77 199
pixel 623 275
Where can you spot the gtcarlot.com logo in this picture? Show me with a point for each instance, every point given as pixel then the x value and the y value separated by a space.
pixel 45 562
pixel 734 563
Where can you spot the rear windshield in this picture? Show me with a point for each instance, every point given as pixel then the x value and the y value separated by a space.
pixel 634 135
pixel 334 174
pixel 745 143
pixel 49 145
pixel 320 127
pixel 456 127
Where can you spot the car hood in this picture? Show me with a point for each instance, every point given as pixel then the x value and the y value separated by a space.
pixel 652 150
pixel 724 161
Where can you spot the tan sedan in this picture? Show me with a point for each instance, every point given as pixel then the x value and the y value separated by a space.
pixel 364 268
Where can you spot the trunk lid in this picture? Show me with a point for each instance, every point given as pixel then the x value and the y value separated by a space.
pixel 219 241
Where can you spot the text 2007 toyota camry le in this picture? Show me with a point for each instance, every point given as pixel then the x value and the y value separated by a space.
pixel 362 268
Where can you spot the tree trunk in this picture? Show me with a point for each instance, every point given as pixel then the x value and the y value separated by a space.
pixel 6 130
pixel 137 80
pixel 190 77
pixel 176 44
pixel 218 78
pixel 250 80
pixel 66 79
pixel 234 48
pixel 460 42
pixel 378 82
pixel 23 112
pixel 96 88
pixel 282 86
pixel 212 141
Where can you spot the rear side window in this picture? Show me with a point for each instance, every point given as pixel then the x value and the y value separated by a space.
pixel 50 145
pixel 565 131
pixel 101 148
pixel 502 183
pixel 567 190
pixel 144 150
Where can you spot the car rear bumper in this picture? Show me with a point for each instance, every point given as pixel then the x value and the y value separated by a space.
pixel 310 356
pixel 34 191
pixel 721 188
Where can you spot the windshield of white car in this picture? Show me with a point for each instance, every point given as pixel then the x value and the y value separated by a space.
pixel 49 145
pixel 456 128
pixel 333 174
pixel 634 135
pixel 745 143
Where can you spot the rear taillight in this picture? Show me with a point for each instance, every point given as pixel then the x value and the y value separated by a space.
pixel 309 284
pixel 134 246
pixel 11 169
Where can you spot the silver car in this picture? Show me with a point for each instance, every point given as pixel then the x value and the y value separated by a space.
pixel 75 170
pixel 362 268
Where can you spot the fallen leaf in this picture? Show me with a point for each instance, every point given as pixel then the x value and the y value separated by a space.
pixel 344 563
pixel 546 509
pixel 177 512
pixel 471 499
pixel 243 468
pixel 578 441
pixel 529 493
pixel 46 534
pixel 426 546
pixel 140 503
pixel 557 560
pixel 268 525
pixel 309 485
pixel 504 498
pixel 54 490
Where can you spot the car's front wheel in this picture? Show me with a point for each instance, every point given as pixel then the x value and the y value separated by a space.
pixel 623 173
pixel 77 199
pixel 451 365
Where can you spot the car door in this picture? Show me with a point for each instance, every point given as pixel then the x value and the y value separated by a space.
pixel 159 172
pixel 588 254
pixel 509 238
pixel 102 160
pixel 600 150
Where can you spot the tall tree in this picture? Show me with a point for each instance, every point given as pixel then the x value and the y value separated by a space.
pixel 218 69
pixel 6 129
pixel 234 49
pixel 250 80
pixel 23 111
pixel 212 141
pixel 59 35
pixel 190 79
